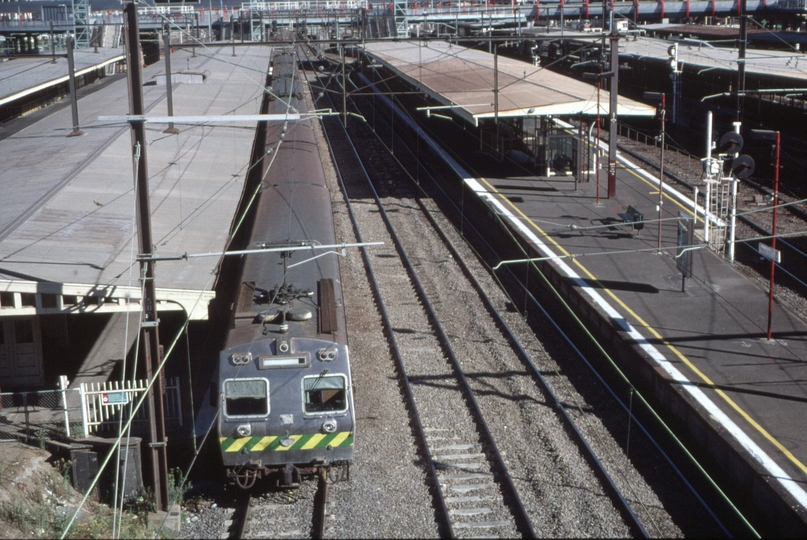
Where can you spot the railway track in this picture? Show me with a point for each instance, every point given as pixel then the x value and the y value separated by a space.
pixel 457 453
pixel 299 513
pixel 463 456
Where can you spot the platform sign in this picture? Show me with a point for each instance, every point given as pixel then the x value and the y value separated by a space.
pixel 686 236
pixel 115 398
pixel 770 253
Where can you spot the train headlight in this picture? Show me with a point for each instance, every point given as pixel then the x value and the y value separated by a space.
pixel 283 346
pixel 244 430
pixel 327 355
pixel 241 359
pixel 329 426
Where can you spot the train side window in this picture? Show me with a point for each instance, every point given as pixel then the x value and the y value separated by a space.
pixel 325 393
pixel 246 397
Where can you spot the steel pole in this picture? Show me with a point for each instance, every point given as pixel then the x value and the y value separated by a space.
pixel 149 322
pixel 169 87
pixel 597 145
pixel 71 68
pixel 733 210
pixel 614 38
pixel 661 169
pixel 344 87
pixel 708 176
pixel 496 94
pixel 52 43
pixel 741 59
pixel 773 230
pixel 580 147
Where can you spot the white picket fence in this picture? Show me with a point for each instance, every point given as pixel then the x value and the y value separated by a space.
pixel 102 404
pixel 80 412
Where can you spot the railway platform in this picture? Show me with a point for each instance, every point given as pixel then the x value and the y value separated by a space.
pixel 701 350
pixel 25 76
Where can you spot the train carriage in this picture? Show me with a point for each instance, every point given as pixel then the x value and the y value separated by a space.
pixel 283 386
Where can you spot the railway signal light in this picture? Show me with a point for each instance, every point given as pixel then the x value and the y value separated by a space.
pixel 672 51
pixel 730 144
pixel 742 166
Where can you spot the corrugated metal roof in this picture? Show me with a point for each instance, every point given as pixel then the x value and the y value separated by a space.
pixel 464 77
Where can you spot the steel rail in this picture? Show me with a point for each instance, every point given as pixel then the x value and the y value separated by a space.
pixel 320 504
pixel 244 519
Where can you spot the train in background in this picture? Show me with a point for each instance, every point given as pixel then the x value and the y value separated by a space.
pixel 282 386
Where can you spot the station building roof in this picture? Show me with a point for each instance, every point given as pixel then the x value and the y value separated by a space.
pixel 67 223
pixel 699 52
pixel 464 79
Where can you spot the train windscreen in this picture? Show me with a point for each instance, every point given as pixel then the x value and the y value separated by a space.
pixel 325 393
pixel 246 397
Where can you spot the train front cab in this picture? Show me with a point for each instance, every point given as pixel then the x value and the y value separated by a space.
pixel 286 414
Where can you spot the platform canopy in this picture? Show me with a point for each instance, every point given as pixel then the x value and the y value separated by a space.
pixel 463 79
pixel 68 225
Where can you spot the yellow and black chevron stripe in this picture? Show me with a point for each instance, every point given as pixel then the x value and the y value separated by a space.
pixel 301 442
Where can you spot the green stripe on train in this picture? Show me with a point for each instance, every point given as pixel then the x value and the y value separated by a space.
pixel 273 443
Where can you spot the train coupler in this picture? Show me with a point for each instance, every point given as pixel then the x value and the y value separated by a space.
pixel 289 476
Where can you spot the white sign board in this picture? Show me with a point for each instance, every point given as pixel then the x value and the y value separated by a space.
pixel 770 253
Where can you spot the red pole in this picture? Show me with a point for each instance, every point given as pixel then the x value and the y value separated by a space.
pixel 773 230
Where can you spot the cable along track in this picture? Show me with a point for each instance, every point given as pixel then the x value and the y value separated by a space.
pixel 445 319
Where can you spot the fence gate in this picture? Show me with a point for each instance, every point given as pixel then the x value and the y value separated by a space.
pixel 105 404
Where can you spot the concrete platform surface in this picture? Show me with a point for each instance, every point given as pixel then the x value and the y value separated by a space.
pixel 708 343
pixel 24 75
